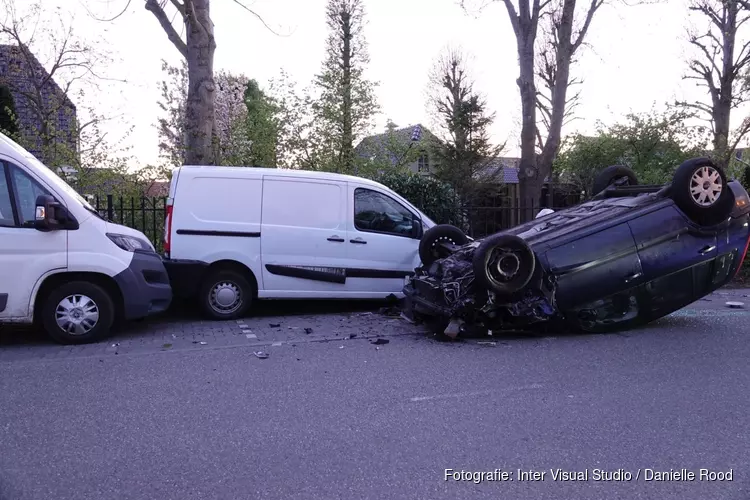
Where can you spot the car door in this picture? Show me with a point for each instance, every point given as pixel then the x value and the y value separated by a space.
pixel 303 237
pixel 595 266
pixel 383 242
pixel 26 254
pixel 677 258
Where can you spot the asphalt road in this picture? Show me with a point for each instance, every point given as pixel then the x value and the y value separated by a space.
pixel 318 421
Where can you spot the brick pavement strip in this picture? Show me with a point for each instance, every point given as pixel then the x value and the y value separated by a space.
pixel 170 333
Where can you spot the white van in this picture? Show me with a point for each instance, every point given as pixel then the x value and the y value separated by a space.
pixel 64 266
pixel 236 234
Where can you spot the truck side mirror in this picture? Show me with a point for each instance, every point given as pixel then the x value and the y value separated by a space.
pixel 48 214
pixel 416 227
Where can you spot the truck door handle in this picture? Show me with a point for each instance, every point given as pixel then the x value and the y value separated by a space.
pixel 359 241
pixel 707 249
pixel 336 239
pixel 633 276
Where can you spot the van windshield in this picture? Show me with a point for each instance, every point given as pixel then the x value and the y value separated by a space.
pixel 42 170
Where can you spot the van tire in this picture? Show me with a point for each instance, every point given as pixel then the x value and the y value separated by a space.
pixel 223 282
pixel 89 299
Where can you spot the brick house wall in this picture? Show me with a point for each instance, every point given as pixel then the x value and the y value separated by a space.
pixel 19 71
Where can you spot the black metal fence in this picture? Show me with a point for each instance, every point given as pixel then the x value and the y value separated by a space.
pixel 147 215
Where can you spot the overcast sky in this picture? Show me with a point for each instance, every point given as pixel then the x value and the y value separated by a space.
pixel 636 57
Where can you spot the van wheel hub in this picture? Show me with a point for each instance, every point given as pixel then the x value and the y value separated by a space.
pixel 225 297
pixel 77 314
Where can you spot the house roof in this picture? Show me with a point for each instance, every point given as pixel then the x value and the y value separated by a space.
pixel 381 144
pixel 11 52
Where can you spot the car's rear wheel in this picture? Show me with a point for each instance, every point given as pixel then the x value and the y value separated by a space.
pixel 429 247
pixel 616 175
pixel 504 264
pixel 700 190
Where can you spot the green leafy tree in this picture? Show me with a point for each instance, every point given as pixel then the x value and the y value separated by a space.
pixel 8 121
pixel 652 144
pixel 435 198
pixel 466 151
pixel 346 102
pixel 262 125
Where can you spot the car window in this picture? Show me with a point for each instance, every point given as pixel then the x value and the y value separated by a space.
pixel 380 213
pixel 27 190
pixel 6 207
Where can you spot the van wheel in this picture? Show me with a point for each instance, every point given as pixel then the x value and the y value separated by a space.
pixel 78 312
pixel 226 294
pixel 504 264
pixel 699 188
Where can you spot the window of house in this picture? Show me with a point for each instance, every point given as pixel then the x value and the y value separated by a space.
pixel 27 191
pixel 376 212
pixel 6 207
pixel 423 163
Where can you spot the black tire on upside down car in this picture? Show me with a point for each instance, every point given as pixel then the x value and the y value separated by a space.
pixel 504 264
pixel 429 250
pixel 700 190
pixel 616 175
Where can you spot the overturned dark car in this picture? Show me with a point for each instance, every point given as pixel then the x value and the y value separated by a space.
pixel 632 254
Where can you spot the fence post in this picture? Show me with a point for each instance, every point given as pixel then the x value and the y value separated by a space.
pixel 110 207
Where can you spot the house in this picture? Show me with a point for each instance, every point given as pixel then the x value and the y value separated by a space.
pixel 397 146
pixel 29 85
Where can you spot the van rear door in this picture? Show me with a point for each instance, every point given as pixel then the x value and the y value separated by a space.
pixel 303 237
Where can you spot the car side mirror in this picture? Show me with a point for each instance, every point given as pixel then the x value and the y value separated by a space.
pixel 49 214
pixel 416 227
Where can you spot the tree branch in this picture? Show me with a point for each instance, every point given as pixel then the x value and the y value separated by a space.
pixel 259 17
pixel 161 16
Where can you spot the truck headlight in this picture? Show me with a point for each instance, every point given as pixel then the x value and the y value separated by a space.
pixel 130 243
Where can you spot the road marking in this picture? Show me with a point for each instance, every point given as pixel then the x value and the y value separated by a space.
pixel 476 393
pixel 251 336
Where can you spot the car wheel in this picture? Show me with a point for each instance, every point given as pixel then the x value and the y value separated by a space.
pixel 699 188
pixel 429 249
pixel 226 294
pixel 78 312
pixel 504 264
pixel 616 175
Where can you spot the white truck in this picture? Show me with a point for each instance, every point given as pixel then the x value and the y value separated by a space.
pixel 61 264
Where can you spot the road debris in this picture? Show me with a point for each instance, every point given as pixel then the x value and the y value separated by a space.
pixel 341 347
pixel 166 346
pixel 274 325
pixel 204 343
pixel 352 335
pixel 735 305
pixel 391 311
pixel 379 341
pixel 308 331
pixel 260 355
pixel 276 344
pixel 491 344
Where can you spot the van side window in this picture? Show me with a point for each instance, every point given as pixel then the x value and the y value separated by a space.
pixel 27 190
pixel 376 212
pixel 6 207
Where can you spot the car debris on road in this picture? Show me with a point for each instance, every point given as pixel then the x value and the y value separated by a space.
pixel 632 254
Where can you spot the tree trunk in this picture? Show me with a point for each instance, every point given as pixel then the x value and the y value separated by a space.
pixel 200 110
pixel 722 106
pixel 347 139
pixel 529 183
pixel 559 90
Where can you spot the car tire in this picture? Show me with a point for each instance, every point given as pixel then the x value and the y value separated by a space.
pixel 428 251
pixel 700 189
pixel 617 175
pixel 226 294
pixel 504 264
pixel 78 312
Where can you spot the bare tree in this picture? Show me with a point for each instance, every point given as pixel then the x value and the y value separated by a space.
pixel 198 49
pixel 721 67
pixel 567 32
pixel 43 85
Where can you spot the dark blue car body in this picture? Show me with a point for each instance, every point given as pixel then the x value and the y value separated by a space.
pixel 612 262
